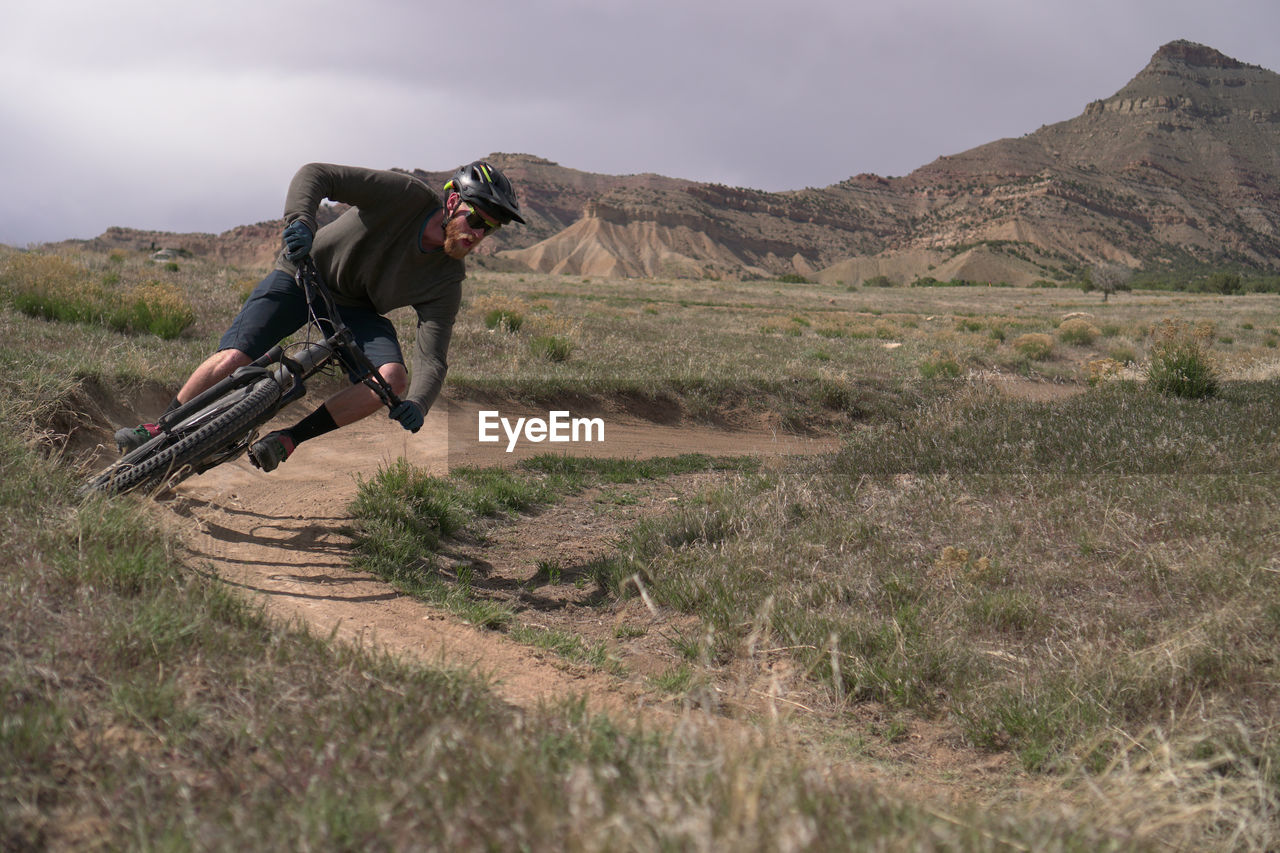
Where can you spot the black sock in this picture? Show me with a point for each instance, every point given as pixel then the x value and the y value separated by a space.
pixel 317 423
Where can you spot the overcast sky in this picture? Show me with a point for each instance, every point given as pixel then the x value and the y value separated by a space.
pixel 193 117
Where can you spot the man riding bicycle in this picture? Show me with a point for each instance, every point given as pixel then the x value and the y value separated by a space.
pixel 399 244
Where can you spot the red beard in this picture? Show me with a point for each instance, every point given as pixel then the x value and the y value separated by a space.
pixel 459 240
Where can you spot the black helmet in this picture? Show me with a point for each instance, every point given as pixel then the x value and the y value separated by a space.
pixel 480 183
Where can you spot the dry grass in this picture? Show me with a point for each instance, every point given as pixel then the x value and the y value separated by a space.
pixel 56 287
pixel 1041 575
pixel 712 344
pixel 145 705
pixel 754 332
pixel 1089 586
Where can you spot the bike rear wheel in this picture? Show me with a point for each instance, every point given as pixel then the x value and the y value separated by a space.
pixel 224 433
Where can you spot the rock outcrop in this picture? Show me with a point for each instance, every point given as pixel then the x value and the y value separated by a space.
pixel 1179 167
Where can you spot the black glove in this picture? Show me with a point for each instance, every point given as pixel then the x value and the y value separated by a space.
pixel 409 414
pixel 297 241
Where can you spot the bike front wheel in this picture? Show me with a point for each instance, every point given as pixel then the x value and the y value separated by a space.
pixel 223 432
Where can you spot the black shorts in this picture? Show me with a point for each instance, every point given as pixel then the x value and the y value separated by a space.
pixel 277 308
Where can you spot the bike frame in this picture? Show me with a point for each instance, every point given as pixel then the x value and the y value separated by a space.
pixel 290 367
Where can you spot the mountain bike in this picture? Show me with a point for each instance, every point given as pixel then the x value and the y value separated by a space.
pixel 221 423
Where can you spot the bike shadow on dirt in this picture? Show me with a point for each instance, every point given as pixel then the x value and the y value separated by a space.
pixel 317 543
pixel 323 544
pixel 187 505
pixel 312 536
pixel 484 580
pixel 389 595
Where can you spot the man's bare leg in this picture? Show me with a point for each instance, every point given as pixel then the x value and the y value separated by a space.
pixel 215 368
pixel 358 401
pixel 347 406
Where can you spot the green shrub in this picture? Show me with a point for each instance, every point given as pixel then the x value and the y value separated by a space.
pixel 940 365
pixel 156 307
pixel 551 347
pixel 1181 364
pixel 1123 354
pixel 54 288
pixel 35 275
pixel 1034 345
pixel 1225 283
pixel 1078 330
pixel 504 319
pixel 835 394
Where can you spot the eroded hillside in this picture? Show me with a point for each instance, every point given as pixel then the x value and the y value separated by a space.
pixel 1181 165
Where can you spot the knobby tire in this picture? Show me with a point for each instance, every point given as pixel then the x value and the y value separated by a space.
pixel 169 465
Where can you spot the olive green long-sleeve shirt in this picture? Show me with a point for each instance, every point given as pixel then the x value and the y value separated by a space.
pixel 372 256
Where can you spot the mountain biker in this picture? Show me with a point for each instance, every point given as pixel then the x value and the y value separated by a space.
pixel 399 244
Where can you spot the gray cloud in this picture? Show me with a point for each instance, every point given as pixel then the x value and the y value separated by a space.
pixel 158 116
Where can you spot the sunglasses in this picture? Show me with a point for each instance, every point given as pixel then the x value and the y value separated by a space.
pixel 480 222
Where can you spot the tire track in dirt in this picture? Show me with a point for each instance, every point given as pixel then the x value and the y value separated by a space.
pixel 279 537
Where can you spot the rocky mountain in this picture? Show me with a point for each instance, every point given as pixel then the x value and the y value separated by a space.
pixel 1182 163
pixel 1180 166
pixel 245 245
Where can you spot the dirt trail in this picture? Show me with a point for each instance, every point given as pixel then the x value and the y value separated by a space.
pixel 279 536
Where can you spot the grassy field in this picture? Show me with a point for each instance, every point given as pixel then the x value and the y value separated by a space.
pixel 1085 582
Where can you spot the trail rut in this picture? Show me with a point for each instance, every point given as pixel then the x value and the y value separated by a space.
pixel 279 537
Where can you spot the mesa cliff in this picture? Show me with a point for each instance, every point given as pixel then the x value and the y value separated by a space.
pixel 1180 166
